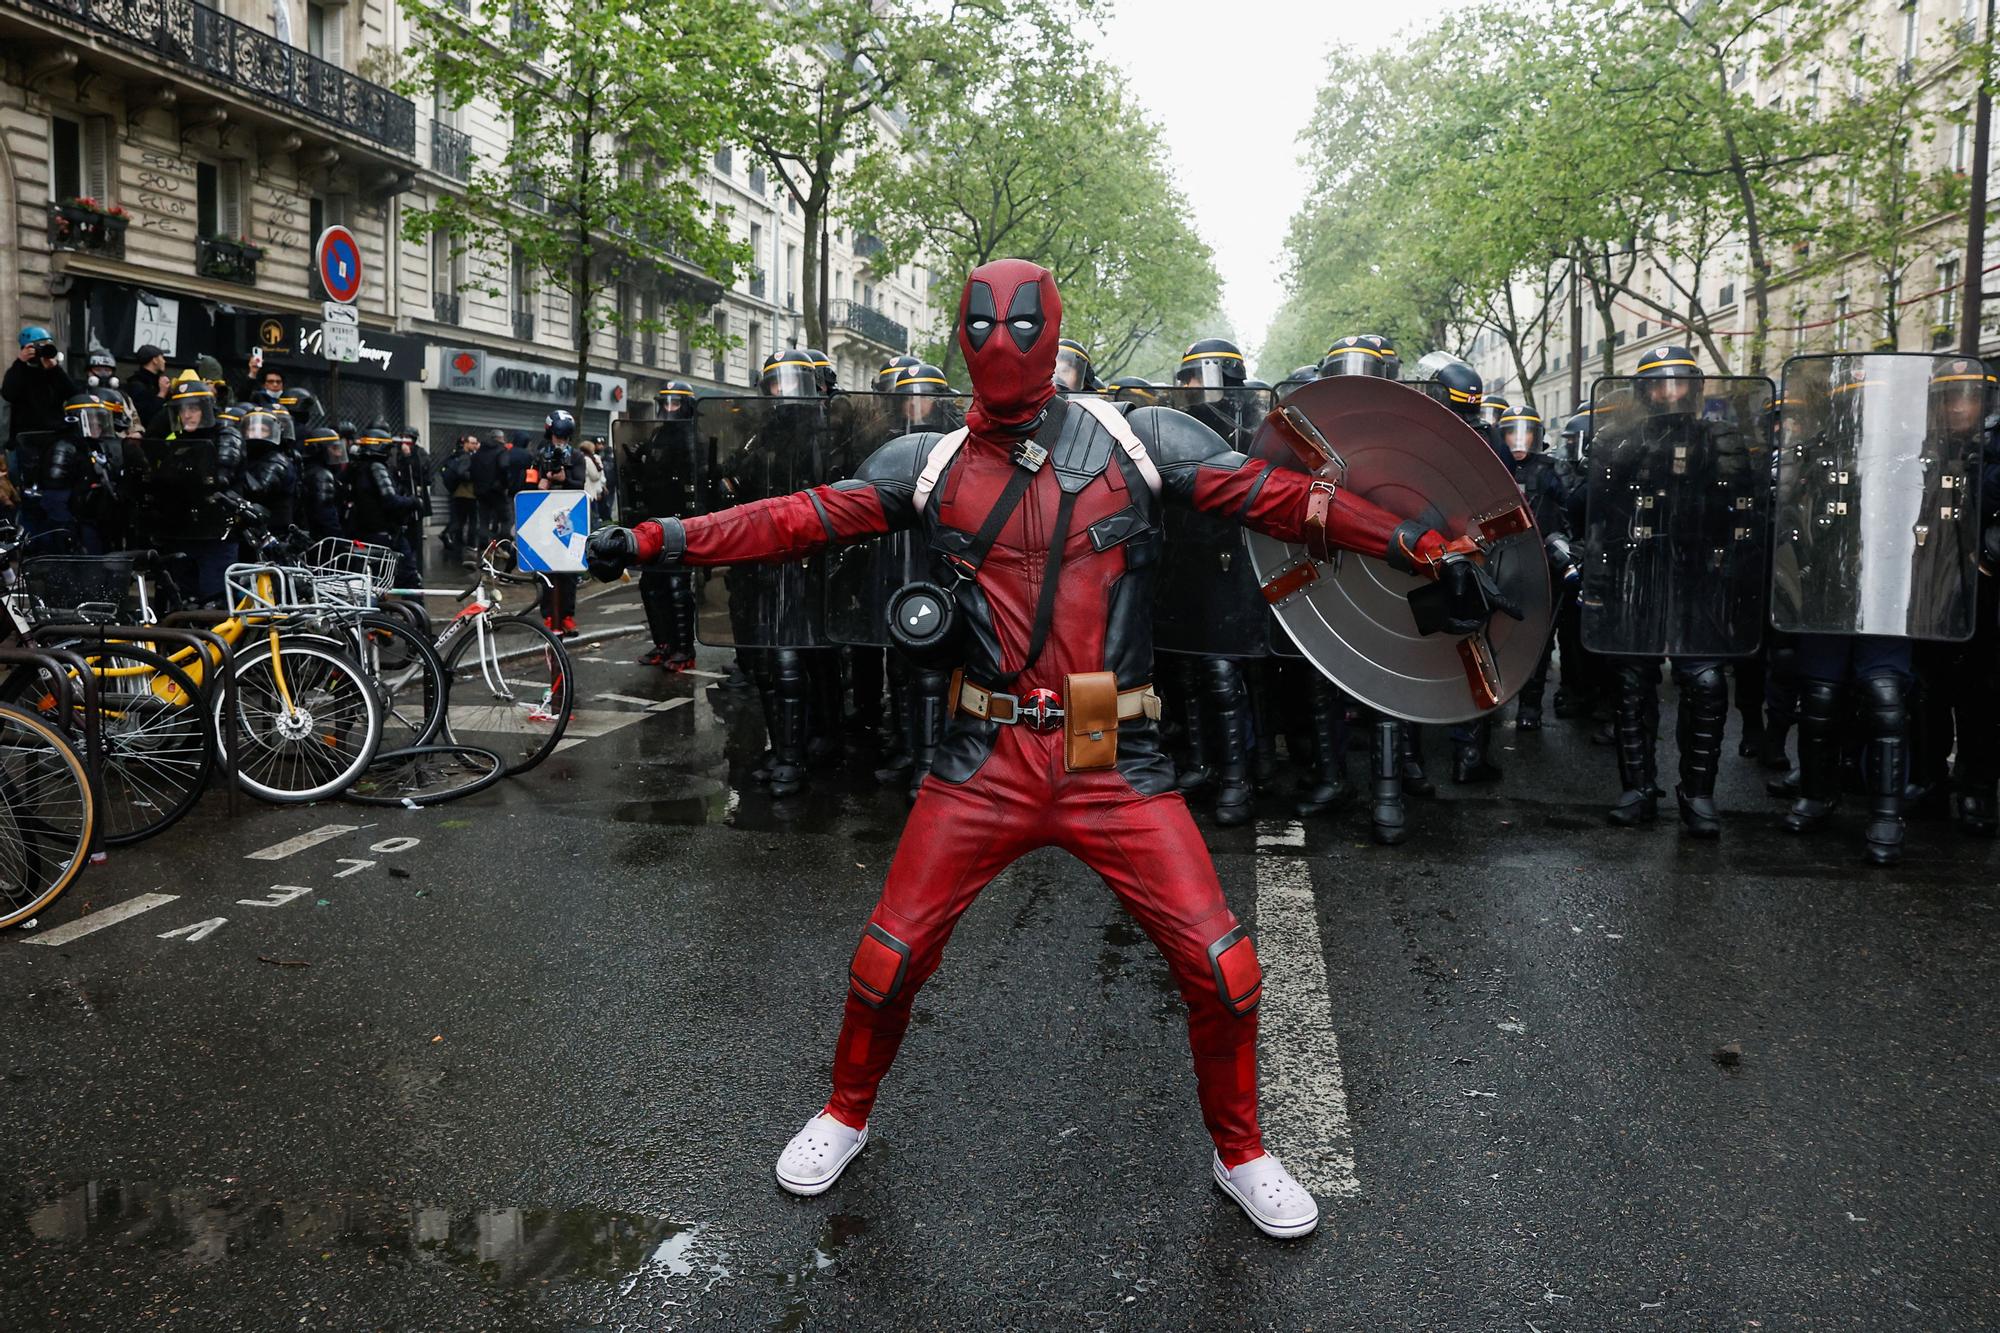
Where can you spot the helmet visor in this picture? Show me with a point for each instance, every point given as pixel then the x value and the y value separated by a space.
pixel 92 423
pixel 1522 437
pixel 1354 361
pixel 1072 369
pixel 790 379
pixel 192 412
pixel 259 426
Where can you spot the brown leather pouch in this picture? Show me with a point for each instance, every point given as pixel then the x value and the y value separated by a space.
pixel 1090 721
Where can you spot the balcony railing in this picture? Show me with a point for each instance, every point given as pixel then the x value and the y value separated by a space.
pixel 524 325
pixel 444 307
pixel 227 260
pixel 451 150
pixel 89 230
pixel 873 325
pixel 241 59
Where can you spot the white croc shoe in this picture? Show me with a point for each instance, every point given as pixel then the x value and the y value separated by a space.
pixel 1276 1203
pixel 817 1155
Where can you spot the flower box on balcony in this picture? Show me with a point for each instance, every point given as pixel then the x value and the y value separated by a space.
pixel 226 259
pixel 88 227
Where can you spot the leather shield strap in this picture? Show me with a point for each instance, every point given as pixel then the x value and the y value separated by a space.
pixel 993 706
pixel 1319 511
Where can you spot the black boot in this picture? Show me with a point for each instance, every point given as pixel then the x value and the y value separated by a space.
pixel 1888 766
pixel 1229 716
pixel 1785 786
pixel 1528 706
pixel 1819 756
pixel 1781 706
pixel 893 737
pixel 1703 711
pixel 1386 755
pixel 789 728
pixel 1415 781
pixel 1469 763
pixel 1330 789
pixel 1195 773
pixel 1261 685
pixel 1637 697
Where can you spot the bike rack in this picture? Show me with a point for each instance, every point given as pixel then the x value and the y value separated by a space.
pixel 53 661
pixel 202 641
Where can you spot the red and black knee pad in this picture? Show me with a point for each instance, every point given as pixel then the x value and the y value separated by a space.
pixel 1239 977
pixel 880 964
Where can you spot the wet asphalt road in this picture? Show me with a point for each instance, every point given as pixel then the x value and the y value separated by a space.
pixel 524 1062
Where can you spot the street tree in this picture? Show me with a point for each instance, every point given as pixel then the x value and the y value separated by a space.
pixel 598 184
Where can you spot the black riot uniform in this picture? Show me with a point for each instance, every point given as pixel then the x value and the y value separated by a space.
pixel 665 474
pixel 376 510
pixel 191 502
pixel 322 496
pixel 1457 385
pixel 270 477
pixel 1586 677
pixel 66 475
pixel 919 691
pixel 555 468
pixel 1660 547
pixel 1540 476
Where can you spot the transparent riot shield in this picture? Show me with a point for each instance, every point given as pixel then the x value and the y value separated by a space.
pixel 758 448
pixel 662 469
pixel 860 579
pixel 1676 529
pixel 1206 600
pixel 1877 509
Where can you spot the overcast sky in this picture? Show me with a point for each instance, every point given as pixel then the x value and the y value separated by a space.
pixel 1234 83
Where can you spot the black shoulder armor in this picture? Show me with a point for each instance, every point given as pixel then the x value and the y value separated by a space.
pixel 896 464
pixel 1177 440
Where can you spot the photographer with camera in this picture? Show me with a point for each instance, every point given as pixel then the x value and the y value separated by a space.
pixel 36 386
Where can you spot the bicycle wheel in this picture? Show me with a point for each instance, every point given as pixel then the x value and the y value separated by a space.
pixel 157 756
pixel 426 775
pixel 307 720
pixel 510 688
pixel 409 677
pixel 47 814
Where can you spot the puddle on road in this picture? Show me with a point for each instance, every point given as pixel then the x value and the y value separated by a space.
pixel 506 1247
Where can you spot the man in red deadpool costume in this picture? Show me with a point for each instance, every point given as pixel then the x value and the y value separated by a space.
pixel 1047 511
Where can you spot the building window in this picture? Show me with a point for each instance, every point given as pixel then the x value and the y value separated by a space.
pixel 80 154
pixel 752 346
pixel 219 199
pixel 323 31
pixel 725 161
pixel 1961 142
pixel 1909 37
pixel 649 333
pixel 1728 296
pixel 1841 304
pixel 1947 298
pixel 721 356
pixel 684 349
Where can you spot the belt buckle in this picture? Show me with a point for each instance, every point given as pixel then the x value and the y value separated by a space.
pixel 1040 708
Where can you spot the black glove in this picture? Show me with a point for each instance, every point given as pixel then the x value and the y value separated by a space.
pixel 1461 601
pixel 609 552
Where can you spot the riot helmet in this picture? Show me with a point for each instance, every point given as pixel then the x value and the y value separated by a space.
pixel 1451 381
pixel 918 384
pixel 1962 391
pixel 1522 431
pixel 1360 354
pixel 559 425
pixel 374 441
pixel 102 369
pixel 87 416
pixel 1669 380
pixel 1212 363
pixel 325 447
pixel 675 402
pixel 301 406
pixel 259 428
pixel 1134 389
pixel 191 408
pixel 1576 434
pixel 823 370
pixel 284 429
pixel 346 430
pixel 1492 407
pixel 1073 373
pixel 892 370
pixel 789 374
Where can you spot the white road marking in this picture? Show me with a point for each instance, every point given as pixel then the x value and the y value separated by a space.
pixel 1293 834
pixel 669 705
pixel 1304 1095
pixel 706 675
pixel 280 895
pixel 625 699
pixel 109 916
pixel 200 930
pixel 293 846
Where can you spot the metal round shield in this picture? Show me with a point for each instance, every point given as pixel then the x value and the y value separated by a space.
pixel 1351 616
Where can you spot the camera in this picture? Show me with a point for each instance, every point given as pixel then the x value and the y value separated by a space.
pixel 46 349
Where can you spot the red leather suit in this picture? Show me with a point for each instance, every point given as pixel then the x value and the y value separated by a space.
pixel 999 791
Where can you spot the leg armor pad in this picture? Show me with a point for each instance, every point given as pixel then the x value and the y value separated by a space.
pixel 1239 978
pixel 880 964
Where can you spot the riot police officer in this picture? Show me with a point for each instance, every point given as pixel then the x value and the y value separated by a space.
pixel 192 505
pixel 1073 372
pixel 376 510
pixel 555 464
pixel 664 475
pixel 892 370
pixel 64 474
pixel 1362 354
pixel 322 497
pixel 1523 434
pixel 270 478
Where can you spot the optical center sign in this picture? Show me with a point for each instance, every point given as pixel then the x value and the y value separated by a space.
pixel 471 370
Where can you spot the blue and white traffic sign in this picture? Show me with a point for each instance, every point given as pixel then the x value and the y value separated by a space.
pixel 337 256
pixel 549 529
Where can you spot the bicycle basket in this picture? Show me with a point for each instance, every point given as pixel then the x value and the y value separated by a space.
pixel 92 588
pixel 350 573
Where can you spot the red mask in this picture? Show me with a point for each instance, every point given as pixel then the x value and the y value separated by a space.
pixel 1009 322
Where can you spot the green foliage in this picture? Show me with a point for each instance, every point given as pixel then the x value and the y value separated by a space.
pixel 1049 161
pixel 615 107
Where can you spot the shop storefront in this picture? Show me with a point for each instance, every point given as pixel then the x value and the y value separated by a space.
pixel 480 391
pixel 365 390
